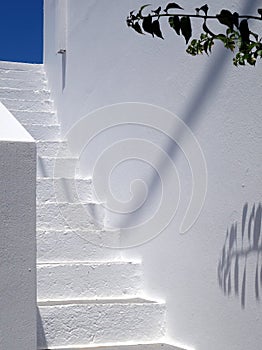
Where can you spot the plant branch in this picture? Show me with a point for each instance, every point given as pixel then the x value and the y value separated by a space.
pixel 236 36
pixel 199 16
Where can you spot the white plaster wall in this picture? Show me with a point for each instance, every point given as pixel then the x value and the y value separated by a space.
pixel 17 235
pixel 107 63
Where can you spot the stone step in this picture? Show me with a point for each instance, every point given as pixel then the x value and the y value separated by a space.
pixel 33 106
pixel 124 346
pixel 28 117
pixel 21 84
pixel 59 216
pixel 52 148
pixel 58 281
pixel 24 94
pixel 25 75
pixel 43 132
pixel 77 245
pixel 63 167
pixel 81 322
pixel 64 190
pixel 21 66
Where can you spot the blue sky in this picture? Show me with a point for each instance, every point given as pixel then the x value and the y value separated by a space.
pixel 21 30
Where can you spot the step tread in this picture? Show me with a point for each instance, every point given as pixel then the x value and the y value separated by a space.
pixel 87 263
pixel 123 346
pixel 31 112
pixel 53 158
pixel 26 99
pixel 9 65
pixel 100 301
pixel 26 89
pixel 47 179
pixel 42 125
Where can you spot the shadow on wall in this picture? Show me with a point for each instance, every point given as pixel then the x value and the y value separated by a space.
pixel 242 244
pixel 193 109
pixel 63 71
pixel 41 339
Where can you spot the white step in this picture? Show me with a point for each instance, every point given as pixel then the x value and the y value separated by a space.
pixel 87 216
pixel 51 148
pixel 83 322
pixel 64 167
pixel 21 66
pixel 77 245
pixel 33 106
pixel 25 75
pixel 29 117
pixel 24 94
pixel 88 280
pixel 124 346
pixel 43 132
pixel 21 84
pixel 64 190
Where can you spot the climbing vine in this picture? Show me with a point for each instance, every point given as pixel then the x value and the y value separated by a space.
pixel 235 36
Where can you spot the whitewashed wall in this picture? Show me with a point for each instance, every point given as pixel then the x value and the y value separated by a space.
pixel 17 235
pixel 107 63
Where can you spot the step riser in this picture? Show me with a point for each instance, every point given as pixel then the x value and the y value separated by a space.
pixel 72 325
pixel 126 346
pixel 64 167
pixel 72 216
pixel 50 149
pixel 33 106
pixel 64 190
pixel 43 118
pixel 43 132
pixel 30 95
pixel 88 281
pixel 21 84
pixel 70 246
pixel 22 75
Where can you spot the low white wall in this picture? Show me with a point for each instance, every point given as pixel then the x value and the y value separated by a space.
pixel 108 63
pixel 17 235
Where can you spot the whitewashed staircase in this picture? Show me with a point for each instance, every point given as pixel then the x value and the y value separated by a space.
pixel 87 295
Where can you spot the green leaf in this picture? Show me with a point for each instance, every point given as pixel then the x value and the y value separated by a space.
pixel 172 5
pixel 244 31
pixel 254 35
pixel 204 8
pixel 236 19
pixel 226 17
pixel 210 44
pixel 156 29
pixel 141 9
pixel 186 28
pixel 207 30
pixel 157 11
pixel 147 25
pixel 206 47
pixel 137 28
pixel 174 22
pixel 230 44
pixel 221 37
pixel 129 22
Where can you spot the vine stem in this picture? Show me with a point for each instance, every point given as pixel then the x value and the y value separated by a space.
pixel 200 16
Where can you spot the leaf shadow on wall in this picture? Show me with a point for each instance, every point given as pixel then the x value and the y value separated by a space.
pixel 242 242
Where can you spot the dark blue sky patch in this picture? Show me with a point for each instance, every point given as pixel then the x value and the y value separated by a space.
pixel 21 30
